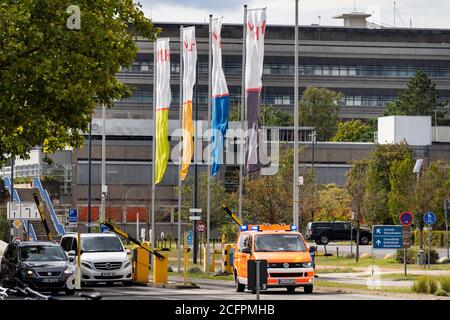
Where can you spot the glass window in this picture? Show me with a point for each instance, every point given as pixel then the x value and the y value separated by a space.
pixel 279 243
pixel 101 244
pixel 326 70
pixel 42 253
pixel 334 71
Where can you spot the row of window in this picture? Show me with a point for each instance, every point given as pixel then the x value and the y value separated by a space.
pixel 313 70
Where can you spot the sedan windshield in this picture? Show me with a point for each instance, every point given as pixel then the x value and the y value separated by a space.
pixel 101 244
pixel 279 243
pixel 42 253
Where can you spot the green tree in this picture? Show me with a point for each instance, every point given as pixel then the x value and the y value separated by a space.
pixel 403 181
pixel 309 195
pixel 334 203
pixel 52 78
pixel 419 99
pixel 354 131
pixel 268 116
pixel 378 183
pixel 356 187
pixel 4 226
pixel 319 108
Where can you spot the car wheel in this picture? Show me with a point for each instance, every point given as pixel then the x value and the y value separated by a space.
pixel 324 239
pixel 308 289
pixel 290 289
pixel 364 240
pixel 127 283
pixel 239 287
pixel 317 242
pixel 70 292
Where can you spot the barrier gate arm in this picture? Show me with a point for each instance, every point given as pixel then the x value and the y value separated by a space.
pixel 135 241
pixel 232 215
pixel 42 214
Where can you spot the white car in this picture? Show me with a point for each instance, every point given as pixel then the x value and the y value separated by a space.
pixel 103 257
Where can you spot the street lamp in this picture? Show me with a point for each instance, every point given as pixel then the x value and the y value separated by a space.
pixel 416 170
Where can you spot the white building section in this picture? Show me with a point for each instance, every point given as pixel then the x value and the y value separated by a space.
pixel 415 130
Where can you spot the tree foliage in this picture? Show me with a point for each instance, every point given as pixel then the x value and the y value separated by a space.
pixel 319 108
pixel 52 78
pixel 419 99
pixel 354 131
pixel 334 203
pixel 269 116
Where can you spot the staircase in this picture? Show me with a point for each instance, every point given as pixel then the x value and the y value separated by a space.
pixel 26 195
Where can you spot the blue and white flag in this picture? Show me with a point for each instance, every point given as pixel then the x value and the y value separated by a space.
pixel 220 99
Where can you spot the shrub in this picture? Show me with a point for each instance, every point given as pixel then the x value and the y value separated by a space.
pixel 437 238
pixel 432 285
pixel 420 285
pixel 412 254
pixel 4 226
pixel 444 282
pixel 441 293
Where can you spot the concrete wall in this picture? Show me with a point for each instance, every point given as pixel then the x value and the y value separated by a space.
pixel 415 130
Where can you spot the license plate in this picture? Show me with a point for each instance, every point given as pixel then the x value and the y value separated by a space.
pixel 107 274
pixel 50 280
pixel 286 281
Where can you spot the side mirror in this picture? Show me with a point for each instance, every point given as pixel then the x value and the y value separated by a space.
pixel 128 251
pixel 312 249
pixel 247 250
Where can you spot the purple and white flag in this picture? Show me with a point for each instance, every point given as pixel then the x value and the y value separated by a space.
pixel 256 29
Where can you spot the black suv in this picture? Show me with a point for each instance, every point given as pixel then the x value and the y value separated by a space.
pixel 40 265
pixel 324 232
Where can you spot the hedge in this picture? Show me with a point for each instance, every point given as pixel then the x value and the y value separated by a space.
pixel 413 253
pixel 438 238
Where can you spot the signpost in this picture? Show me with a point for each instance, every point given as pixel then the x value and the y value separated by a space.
pixel 386 237
pixel 73 218
pixel 195 212
pixel 429 218
pixel 446 209
pixel 406 219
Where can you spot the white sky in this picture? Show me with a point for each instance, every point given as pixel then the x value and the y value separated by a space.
pixel 423 13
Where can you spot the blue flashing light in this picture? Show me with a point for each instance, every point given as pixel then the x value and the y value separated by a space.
pixel 244 228
pixel 294 227
pixel 255 228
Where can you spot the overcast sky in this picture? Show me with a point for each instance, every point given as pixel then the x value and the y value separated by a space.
pixel 422 13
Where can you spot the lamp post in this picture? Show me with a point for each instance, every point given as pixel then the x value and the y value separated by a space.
pixel 416 170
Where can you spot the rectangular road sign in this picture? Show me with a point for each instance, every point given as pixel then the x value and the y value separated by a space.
pixel 195 210
pixel 387 237
pixel 195 218
pixel 406 236
pixel 28 211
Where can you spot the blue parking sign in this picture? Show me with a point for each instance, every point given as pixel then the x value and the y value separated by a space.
pixel 73 215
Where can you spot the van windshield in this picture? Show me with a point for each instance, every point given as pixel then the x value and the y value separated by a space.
pixel 101 244
pixel 279 243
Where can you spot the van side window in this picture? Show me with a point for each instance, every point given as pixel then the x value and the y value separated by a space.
pixel 65 243
pixel 242 242
pixel 74 245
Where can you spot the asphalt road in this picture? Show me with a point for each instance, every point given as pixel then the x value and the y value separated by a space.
pixel 213 290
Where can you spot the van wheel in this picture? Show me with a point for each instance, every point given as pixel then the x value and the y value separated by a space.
pixel 364 240
pixel 290 289
pixel 239 287
pixel 308 289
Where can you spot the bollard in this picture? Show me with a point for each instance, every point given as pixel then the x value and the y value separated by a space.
pixel 337 252
pixel 160 274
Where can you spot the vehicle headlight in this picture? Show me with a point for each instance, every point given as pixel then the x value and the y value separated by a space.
pixel 27 272
pixel 30 272
pixel 86 264
pixel 307 265
pixel 126 263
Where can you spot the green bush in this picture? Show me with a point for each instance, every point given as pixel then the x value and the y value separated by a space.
pixel 420 285
pixel 437 238
pixel 441 293
pixel 432 285
pixel 444 283
pixel 413 253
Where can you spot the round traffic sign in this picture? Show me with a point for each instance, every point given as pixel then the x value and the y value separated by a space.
pixel 429 217
pixel 406 218
pixel 200 226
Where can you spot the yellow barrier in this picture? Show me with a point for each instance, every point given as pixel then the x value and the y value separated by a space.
pixel 227 265
pixel 160 274
pixel 140 265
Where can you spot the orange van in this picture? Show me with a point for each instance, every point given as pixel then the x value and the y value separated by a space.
pixel 289 262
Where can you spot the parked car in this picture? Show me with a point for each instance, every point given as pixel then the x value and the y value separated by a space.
pixel 41 265
pixel 324 232
pixel 103 257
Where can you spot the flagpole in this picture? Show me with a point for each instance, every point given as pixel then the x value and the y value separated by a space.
pixel 295 178
pixel 241 164
pixel 180 160
pixel 208 194
pixel 152 237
